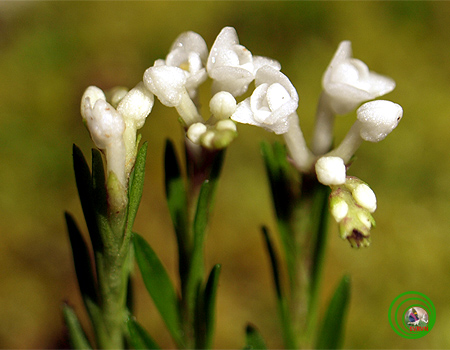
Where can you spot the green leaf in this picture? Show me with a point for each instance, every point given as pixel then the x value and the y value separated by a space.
pixel 77 337
pixel 85 192
pixel 281 180
pixel 136 186
pixel 273 262
pixel 177 204
pixel 253 339
pixel 206 312
pixel 199 229
pixel 331 332
pixel 159 286
pixel 139 338
pixel 82 261
pixel 99 183
pixel 282 302
pixel 320 215
pixel 319 220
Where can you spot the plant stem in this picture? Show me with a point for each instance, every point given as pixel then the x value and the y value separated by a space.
pixel 113 270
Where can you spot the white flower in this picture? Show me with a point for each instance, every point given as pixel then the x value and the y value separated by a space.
pixel 106 127
pixel 348 81
pixel 134 108
pixel 189 52
pixel 330 170
pixel 272 103
pixel 232 66
pixel 136 105
pixel 378 119
pixel 167 83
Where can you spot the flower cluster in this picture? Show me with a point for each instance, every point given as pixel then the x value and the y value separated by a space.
pixel 175 81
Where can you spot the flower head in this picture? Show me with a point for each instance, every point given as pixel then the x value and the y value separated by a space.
pixel 272 103
pixel 348 81
pixel 189 53
pixel 232 66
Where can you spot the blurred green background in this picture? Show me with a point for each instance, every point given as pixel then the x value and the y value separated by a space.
pixel 51 51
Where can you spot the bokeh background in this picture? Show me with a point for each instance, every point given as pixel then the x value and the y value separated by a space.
pixel 51 51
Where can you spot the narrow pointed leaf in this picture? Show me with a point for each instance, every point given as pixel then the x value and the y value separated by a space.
pixel 139 338
pixel 77 337
pixel 82 261
pixel 253 339
pixel 209 302
pixel 282 302
pixel 216 168
pixel 83 180
pixel 99 182
pixel 279 173
pixel 136 186
pixel 319 219
pixel 331 333
pixel 177 204
pixel 158 285
pixel 197 258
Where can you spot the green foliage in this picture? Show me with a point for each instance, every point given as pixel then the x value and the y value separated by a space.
pixel 331 331
pixel 282 300
pixel 253 339
pixel 136 187
pixel 139 338
pixel 78 339
pixel 205 311
pixel 159 286
pixel 82 261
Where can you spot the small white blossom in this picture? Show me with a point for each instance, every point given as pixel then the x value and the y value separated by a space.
pixel 134 108
pixel 272 103
pixel 106 127
pixel 232 66
pixel 189 52
pixel 167 83
pixel 378 119
pixel 136 105
pixel 348 81
pixel 330 170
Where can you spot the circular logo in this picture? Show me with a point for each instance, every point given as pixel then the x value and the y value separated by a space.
pixel 412 315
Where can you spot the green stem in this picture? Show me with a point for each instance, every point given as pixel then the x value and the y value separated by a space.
pixel 113 269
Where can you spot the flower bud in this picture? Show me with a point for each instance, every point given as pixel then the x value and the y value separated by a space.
pixel 222 105
pixel 365 197
pixel 195 131
pixel 378 118
pixel 330 170
pixel 351 205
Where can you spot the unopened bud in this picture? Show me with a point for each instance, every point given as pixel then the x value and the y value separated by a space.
pixel 222 105
pixel 330 170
